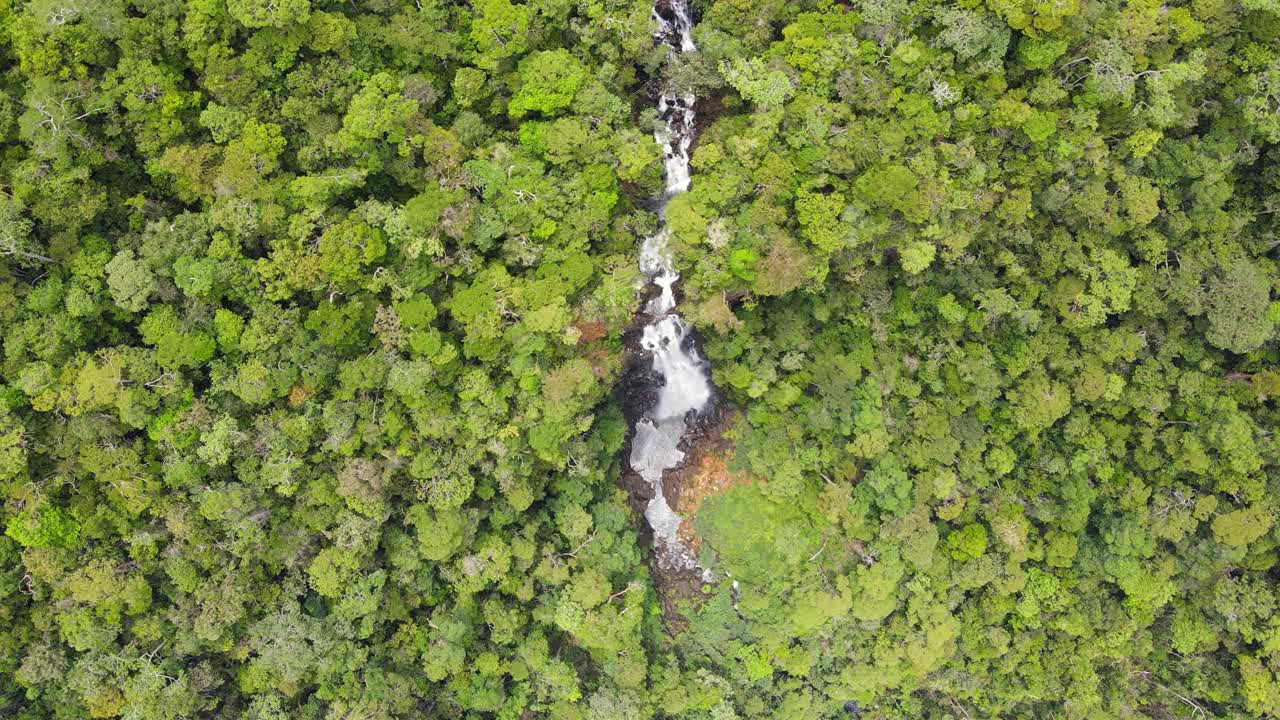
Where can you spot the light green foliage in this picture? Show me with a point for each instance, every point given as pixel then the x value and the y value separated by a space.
pixel 758 540
pixel 223 123
pixel 876 587
pixel 269 13
pixel 1039 402
pixel 1040 126
pixel 895 187
pixel 973 34
pixel 549 80
pixel 131 282
pixel 968 543
pixel 16 238
pixel 916 257
pixel 379 110
pixel 331 571
pixel 818 216
pixel 499 30
pixel 45 527
pixel 13 451
pixel 758 83
pixel 1237 302
pixel 1259 686
pixel 1241 527
pixel 175 347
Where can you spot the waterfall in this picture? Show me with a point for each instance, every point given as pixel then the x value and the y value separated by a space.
pixel 685 389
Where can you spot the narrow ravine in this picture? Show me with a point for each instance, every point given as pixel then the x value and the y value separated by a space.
pixel 683 389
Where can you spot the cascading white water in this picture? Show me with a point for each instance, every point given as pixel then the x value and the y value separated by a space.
pixel 655 444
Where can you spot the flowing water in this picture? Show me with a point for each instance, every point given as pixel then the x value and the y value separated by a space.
pixel 685 388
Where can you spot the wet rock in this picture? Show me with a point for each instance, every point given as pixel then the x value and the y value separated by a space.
pixel 665 390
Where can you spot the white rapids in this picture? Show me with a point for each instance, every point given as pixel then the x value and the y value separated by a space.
pixel 655 444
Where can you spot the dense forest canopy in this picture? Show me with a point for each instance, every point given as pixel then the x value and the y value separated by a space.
pixel 313 314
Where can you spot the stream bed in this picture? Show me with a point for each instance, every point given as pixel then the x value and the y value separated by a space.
pixel 679 393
